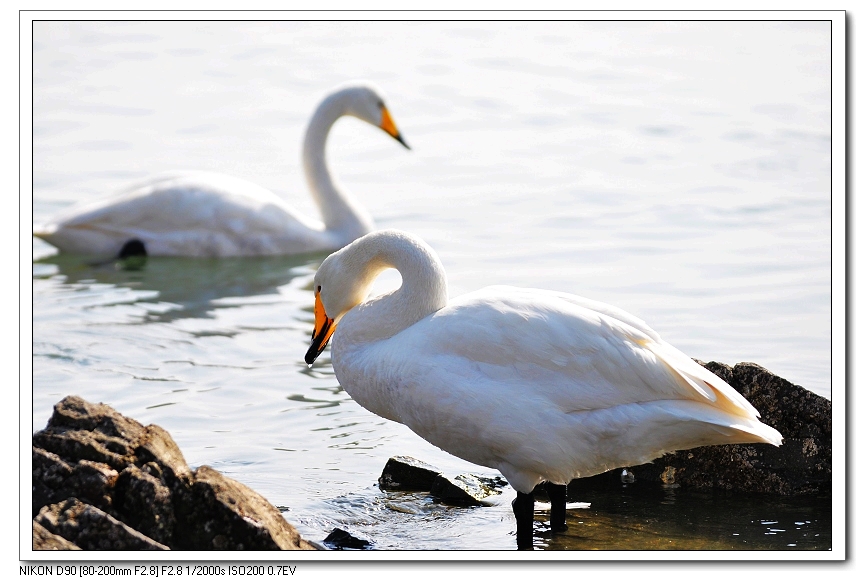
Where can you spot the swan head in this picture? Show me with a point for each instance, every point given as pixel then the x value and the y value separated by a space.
pixel 341 283
pixel 344 279
pixel 365 102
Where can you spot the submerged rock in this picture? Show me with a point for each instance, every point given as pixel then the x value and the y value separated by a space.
pixel 407 473
pixel 104 481
pixel 801 465
pixel 465 489
pixel 340 540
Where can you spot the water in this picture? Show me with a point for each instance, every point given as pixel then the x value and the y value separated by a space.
pixel 678 170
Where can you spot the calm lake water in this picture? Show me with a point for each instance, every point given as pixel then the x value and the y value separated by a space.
pixel 680 171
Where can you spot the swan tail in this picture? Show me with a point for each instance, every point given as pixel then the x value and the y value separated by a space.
pixel 708 387
pixel 44 231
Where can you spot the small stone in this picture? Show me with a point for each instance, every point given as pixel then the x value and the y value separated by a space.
pixel 340 540
pixel 463 490
pixel 407 473
pixel 628 477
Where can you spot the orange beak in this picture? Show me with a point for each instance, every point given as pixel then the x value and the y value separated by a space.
pixel 390 127
pixel 324 328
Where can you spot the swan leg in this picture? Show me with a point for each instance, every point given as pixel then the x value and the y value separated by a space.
pixel 558 494
pixel 524 510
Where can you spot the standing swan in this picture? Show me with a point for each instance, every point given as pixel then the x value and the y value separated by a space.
pixel 213 215
pixel 540 385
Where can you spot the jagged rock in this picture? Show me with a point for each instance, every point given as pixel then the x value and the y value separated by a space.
pixel 801 465
pixel 145 502
pixel 81 430
pixel 407 473
pixel 55 480
pixel 464 490
pixel 230 516
pixel 93 529
pixel 119 471
pixel 339 540
pixel 45 540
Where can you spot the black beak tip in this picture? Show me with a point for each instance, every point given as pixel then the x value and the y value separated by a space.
pixel 401 140
pixel 310 357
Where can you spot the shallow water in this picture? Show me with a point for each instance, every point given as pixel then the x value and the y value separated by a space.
pixel 677 170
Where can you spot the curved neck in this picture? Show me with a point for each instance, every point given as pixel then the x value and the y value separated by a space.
pixel 423 290
pixel 340 214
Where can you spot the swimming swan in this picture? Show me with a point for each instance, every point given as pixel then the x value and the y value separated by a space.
pixel 543 386
pixel 208 214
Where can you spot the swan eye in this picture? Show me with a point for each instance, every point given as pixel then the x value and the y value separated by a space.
pixel 318 289
pixel 381 104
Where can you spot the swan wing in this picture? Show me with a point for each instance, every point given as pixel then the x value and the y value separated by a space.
pixel 578 353
pixel 192 214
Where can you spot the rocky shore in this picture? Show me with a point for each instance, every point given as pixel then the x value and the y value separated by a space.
pixel 102 481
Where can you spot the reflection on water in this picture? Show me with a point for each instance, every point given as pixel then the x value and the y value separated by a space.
pixel 659 518
pixel 188 288
pixel 675 519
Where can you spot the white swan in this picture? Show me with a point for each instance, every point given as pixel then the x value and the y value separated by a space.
pixel 207 214
pixel 543 386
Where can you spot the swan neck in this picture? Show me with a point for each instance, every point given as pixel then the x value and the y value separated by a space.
pixel 423 290
pixel 340 214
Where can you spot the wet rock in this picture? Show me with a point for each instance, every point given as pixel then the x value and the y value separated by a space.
pixel 407 473
pixel 801 465
pixel 93 529
pixel 92 465
pixel 340 540
pixel 44 540
pixel 465 489
pixel 228 515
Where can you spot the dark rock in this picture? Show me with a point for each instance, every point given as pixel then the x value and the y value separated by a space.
pixel 801 465
pixel 145 503
pixel 84 431
pixel 95 470
pixel 407 473
pixel 228 515
pixel 51 476
pixel 92 529
pixel 55 480
pixel 339 540
pixel 157 451
pixel 464 490
pixel 44 540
